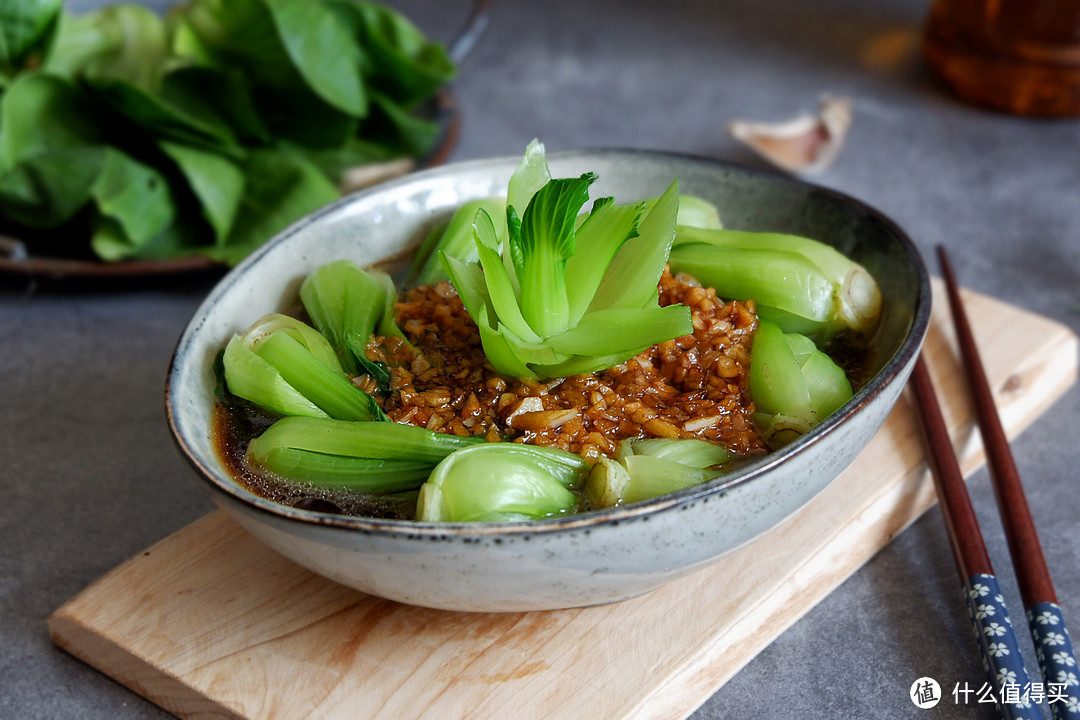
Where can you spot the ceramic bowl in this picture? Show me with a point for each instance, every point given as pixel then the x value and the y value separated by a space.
pixel 569 561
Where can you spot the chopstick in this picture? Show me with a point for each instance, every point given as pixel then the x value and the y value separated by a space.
pixel 986 606
pixel 1054 650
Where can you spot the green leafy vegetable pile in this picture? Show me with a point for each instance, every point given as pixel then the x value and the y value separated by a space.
pixel 202 132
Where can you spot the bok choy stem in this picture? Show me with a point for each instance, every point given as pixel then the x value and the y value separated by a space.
pixel 336 471
pixel 830 293
pixel 599 238
pixel 371 456
pixel 697 212
pixel 652 476
pixel 793 384
pixel 330 390
pixel 783 284
pixel 499 482
pixel 456 239
pixel 377 440
pixel 250 377
pixel 348 304
pixel 644 469
pixel 289 368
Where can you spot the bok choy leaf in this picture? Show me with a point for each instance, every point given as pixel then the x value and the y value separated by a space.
pixel 559 292
pixel 793 384
pixel 501 482
pixel 289 368
pixel 803 285
pixel 377 457
pixel 348 305
pixel 211 128
pixel 26 28
pixel 643 469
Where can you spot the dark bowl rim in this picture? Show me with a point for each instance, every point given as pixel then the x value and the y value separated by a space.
pixel 893 368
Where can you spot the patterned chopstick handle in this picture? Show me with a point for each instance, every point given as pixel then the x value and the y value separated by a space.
pixel 1054 650
pixel 1000 650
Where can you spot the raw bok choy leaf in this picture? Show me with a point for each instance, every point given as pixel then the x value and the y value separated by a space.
pixel 55 161
pixel 289 368
pixel 26 28
pixel 219 124
pixel 501 482
pixel 557 294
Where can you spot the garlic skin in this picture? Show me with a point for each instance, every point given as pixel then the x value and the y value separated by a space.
pixel 804 145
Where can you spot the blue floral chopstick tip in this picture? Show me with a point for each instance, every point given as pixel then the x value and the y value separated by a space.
pixel 996 637
pixel 1054 651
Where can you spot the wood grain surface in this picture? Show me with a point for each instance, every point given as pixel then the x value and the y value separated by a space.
pixel 209 623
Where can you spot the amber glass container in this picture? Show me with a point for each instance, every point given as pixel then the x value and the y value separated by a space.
pixel 1019 56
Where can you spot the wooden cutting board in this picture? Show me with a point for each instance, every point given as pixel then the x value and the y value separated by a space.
pixel 210 623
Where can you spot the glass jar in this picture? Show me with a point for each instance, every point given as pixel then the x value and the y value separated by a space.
pixel 1019 56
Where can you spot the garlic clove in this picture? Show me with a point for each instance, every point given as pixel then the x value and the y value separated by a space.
pixel 806 144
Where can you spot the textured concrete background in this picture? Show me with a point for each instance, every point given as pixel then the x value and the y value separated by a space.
pixel 88 474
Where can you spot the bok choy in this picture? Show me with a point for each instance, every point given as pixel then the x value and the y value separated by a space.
pixel 794 384
pixel 644 469
pixel 374 457
pixel 205 131
pixel 557 294
pixel 456 239
pixel 289 368
pixel 803 285
pixel 500 482
pixel 348 305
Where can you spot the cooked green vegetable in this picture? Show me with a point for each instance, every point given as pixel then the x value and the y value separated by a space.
pixel 803 285
pixel 606 483
pixel 340 472
pixel 203 133
pixel 648 468
pixel 554 291
pixel 499 482
pixel 289 368
pixel 348 305
pixel 654 476
pixel 794 384
pixel 376 457
pixel 687 451
pixel 555 295
pixel 697 212
pixel 456 239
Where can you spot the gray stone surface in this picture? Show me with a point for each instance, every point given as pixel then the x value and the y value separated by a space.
pixel 89 475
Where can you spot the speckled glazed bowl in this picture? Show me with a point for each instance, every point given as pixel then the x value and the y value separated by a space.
pixel 571 561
